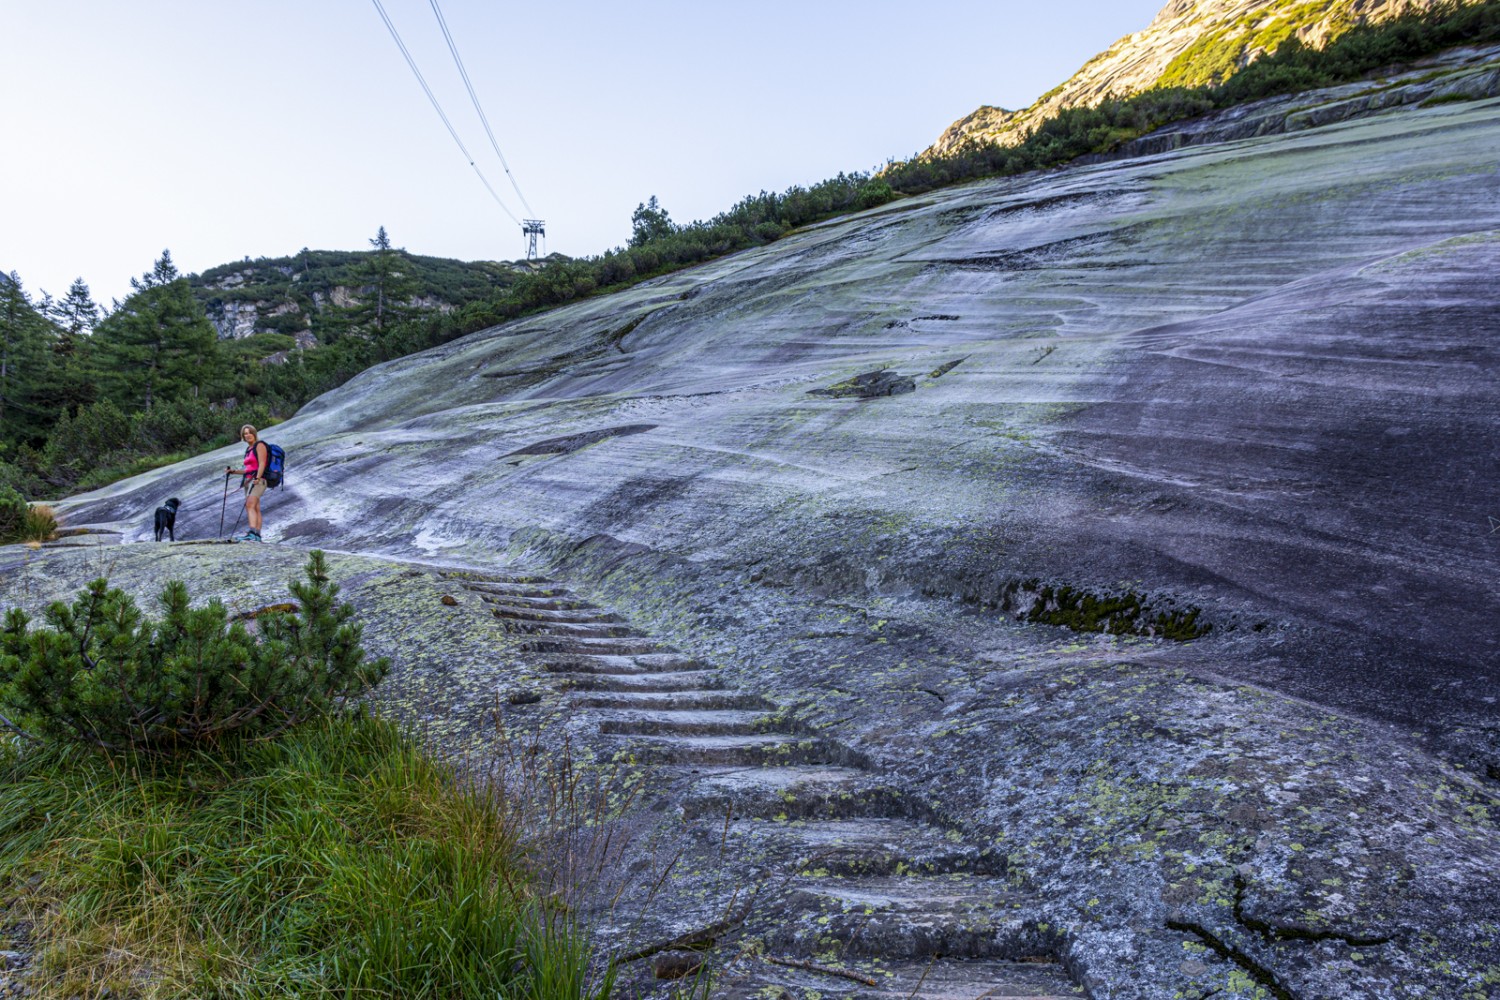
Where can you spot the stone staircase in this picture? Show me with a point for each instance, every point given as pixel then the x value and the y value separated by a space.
pixel 860 891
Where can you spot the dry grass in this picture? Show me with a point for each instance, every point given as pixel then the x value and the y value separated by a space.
pixel 40 523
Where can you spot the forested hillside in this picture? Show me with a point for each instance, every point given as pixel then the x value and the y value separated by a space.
pixel 89 394
pixel 310 295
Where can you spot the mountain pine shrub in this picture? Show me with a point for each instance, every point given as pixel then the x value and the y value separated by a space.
pixel 21 521
pixel 103 675
pixel 13 510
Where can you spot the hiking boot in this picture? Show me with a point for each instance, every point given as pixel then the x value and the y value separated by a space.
pixel 248 536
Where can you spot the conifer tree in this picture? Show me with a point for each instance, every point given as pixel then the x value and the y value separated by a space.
pixel 650 222
pixel 81 441
pixel 163 272
pixel 386 284
pixel 25 357
pixel 76 313
pixel 158 343
pixel 72 383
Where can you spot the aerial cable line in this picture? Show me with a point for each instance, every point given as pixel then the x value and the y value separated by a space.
pixel 475 98
pixel 439 109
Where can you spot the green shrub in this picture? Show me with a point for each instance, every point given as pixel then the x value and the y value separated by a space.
pixel 13 509
pixel 24 522
pixel 86 440
pixel 18 477
pixel 104 676
pixel 875 192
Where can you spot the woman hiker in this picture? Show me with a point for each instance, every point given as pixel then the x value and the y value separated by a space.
pixel 252 479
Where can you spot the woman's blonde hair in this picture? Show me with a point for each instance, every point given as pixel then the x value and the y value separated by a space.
pixel 250 428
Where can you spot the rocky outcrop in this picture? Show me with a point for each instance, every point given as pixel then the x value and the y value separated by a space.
pixel 1458 76
pixel 1189 43
pixel 235 319
pixel 293 296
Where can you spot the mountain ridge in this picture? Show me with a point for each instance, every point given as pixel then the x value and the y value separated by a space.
pixel 296 295
pixel 1188 43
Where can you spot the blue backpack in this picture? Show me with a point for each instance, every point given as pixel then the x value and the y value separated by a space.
pixel 275 470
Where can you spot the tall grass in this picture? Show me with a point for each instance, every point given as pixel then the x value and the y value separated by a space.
pixel 39 523
pixel 338 859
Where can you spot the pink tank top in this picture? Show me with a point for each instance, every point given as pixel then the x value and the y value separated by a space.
pixel 252 462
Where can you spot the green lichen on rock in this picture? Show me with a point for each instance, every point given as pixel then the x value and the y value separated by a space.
pixel 869 385
pixel 1121 613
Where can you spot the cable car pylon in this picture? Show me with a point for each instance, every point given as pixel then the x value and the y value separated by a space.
pixel 532 228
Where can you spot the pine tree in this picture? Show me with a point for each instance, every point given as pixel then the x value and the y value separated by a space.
pixel 158 343
pixel 650 222
pixel 387 286
pixel 72 383
pixel 76 313
pixel 163 272
pixel 25 359
pixel 101 673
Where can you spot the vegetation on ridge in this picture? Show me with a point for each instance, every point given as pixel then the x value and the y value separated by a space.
pixel 1291 68
pixel 88 395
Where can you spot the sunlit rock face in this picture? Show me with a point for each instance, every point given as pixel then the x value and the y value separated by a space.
pixel 1255 378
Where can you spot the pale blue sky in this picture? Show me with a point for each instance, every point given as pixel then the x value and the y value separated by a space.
pixel 224 129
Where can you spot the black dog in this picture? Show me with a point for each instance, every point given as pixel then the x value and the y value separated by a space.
pixel 166 519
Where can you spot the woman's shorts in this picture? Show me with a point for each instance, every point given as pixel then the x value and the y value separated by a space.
pixel 255 488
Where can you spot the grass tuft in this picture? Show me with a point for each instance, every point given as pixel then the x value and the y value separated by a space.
pixel 39 523
pixel 336 859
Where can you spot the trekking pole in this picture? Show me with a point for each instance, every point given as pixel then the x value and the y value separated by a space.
pixel 241 510
pixel 225 502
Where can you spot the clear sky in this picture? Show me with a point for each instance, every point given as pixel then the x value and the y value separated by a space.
pixel 224 129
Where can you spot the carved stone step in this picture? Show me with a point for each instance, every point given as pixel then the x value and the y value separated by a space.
pixel 711 722
pixel 593 647
pixel 513 580
pixel 912 918
pixel 673 700
pixel 644 683
pixel 940 979
pixel 511 590
pixel 744 751
pixel 566 630
pixel 866 847
pixel 639 663
pixel 565 603
pixel 576 616
pixel 789 793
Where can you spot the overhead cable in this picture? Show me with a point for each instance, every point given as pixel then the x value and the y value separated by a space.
pixel 439 109
pixel 475 98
